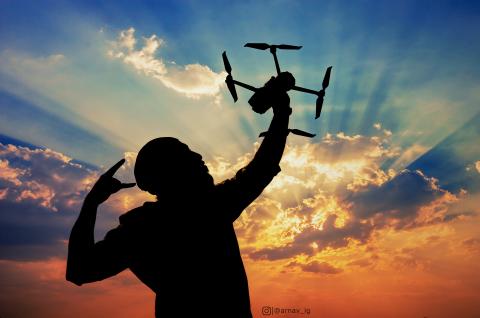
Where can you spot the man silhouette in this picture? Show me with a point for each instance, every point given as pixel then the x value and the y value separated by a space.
pixel 183 246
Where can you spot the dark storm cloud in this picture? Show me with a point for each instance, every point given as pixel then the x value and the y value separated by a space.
pixel 398 198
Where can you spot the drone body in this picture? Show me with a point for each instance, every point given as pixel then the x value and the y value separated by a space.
pixel 262 98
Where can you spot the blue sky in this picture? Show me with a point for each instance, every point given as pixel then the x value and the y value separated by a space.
pixel 394 63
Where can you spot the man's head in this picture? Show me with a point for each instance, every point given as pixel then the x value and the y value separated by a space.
pixel 166 165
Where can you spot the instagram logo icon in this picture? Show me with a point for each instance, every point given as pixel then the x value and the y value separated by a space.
pixel 267 310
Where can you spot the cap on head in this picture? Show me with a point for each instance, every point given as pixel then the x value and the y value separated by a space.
pixel 155 162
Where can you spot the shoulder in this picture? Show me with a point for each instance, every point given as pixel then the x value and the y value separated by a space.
pixel 137 214
pixel 132 221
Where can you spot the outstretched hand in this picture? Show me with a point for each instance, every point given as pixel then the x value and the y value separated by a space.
pixel 107 185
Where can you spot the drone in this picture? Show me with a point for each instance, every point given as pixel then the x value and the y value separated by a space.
pixel 262 99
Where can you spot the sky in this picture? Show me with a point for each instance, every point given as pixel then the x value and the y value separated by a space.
pixel 376 216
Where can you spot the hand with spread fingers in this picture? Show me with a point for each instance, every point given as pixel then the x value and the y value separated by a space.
pixel 107 185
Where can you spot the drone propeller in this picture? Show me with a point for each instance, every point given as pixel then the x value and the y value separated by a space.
pixel 226 63
pixel 264 46
pixel 301 133
pixel 319 105
pixel 293 131
pixel 287 47
pixel 321 93
pixel 326 78
pixel 258 46
pixel 229 79
pixel 273 49
pixel 231 87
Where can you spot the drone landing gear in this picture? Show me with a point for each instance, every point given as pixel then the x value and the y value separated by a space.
pixel 293 131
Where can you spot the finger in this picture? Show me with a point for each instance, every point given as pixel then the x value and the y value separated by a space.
pixel 127 185
pixel 110 172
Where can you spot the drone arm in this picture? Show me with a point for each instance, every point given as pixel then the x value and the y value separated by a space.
pixel 277 66
pixel 245 85
pixel 305 90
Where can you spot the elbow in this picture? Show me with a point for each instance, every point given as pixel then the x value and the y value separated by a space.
pixel 77 280
pixel 75 276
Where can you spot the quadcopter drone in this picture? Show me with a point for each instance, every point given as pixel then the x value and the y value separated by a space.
pixel 261 100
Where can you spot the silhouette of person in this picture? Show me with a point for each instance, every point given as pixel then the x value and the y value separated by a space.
pixel 183 246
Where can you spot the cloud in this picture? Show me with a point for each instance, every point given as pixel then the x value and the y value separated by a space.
pixel 142 60
pixel 193 80
pixel 477 166
pixel 10 61
pixel 399 198
pixel 9 174
pixel 312 240
pixel 127 40
pixel 43 176
pixel 318 177
pixel 337 161
pixel 409 200
pixel 329 195
pixel 472 244
pixel 363 262
pixel 3 193
pixel 41 192
pixel 317 267
pixel 304 210
pixel 334 194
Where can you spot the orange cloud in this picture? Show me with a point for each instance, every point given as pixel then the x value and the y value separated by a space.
pixel 9 174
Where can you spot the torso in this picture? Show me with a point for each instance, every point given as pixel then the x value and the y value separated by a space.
pixel 189 256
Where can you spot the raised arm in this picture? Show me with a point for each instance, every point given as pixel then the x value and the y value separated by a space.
pixel 271 150
pixel 237 193
pixel 88 261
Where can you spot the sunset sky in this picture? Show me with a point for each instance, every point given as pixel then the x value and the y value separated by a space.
pixel 377 216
